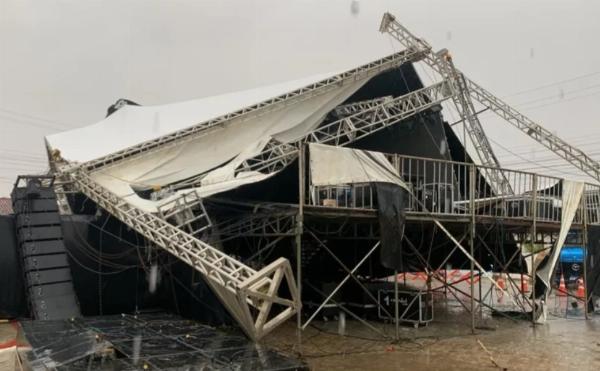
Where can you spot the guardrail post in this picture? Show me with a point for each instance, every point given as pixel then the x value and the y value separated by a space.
pixel 299 231
pixel 472 174
pixel 533 212
pixel 585 249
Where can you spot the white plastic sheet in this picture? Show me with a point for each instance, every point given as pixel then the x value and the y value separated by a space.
pixel 218 151
pixel 330 165
pixel 132 125
pixel 571 198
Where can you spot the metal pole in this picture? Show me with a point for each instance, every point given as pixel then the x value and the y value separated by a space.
pixel 347 270
pixel 472 241
pixel 299 231
pixel 396 309
pixel 585 247
pixel 339 286
pixel 480 288
pixel 349 312
pixel 533 238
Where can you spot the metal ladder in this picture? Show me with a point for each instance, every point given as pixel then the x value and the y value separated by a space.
pixel 187 212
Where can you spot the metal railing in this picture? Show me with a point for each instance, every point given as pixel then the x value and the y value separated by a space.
pixel 443 187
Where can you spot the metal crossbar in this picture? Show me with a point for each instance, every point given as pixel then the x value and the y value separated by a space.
pixel 273 224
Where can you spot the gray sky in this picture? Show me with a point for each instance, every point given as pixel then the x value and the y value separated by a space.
pixel 63 62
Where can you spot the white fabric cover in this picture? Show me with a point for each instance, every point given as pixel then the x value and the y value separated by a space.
pixel 132 125
pixel 571 198
pixel 218 150
pixel 330 165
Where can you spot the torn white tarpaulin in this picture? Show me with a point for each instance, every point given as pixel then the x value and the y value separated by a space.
pixel 330 165
pixel 571 199
pixel 216 153
pixel 124 190
pixel 131 125
pixel 219 145
pixel 219 180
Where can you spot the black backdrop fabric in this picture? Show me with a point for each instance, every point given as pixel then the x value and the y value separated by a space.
pixel 12 297
pixel 593 264
pixel 390 200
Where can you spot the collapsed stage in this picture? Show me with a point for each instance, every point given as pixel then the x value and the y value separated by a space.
pixel 256 207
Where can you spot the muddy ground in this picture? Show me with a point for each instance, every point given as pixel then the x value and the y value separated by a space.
pixel 567 341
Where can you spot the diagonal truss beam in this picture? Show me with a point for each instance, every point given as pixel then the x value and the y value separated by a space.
pixel 571 154
pixel 356 107
pixel 341 132
pixel 442 64
pixel 262 225
pixel 321 87
pixel 246 293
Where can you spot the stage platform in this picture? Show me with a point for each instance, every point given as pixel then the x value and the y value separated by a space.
pixel 153 341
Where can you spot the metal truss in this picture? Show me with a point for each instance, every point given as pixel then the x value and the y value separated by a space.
pixel 442 64
pixel 260 225
pixel 341 230
pixel 341 132
pixel 188 213
pixel 571 154
pixel 246 293
pixel 356 107
pixel 321 87
pixel 498 180
pixel 60 189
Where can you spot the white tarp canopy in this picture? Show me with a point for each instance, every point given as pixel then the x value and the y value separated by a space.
pixel 132 125
pixel 217 151
pixel 571 199
pixel 330 165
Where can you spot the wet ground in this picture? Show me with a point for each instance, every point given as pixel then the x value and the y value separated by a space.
pixel 565 342
pixel 147 341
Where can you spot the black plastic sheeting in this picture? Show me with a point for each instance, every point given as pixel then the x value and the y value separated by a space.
pixel 12 297
pixel 155 341
pixel 593 265
pixel 390 198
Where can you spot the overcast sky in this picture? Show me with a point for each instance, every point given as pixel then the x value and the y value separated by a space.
pixel 63 62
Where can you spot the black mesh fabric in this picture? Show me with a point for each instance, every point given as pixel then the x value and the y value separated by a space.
pixel 390 199
pixel 593 265
pixel 12 298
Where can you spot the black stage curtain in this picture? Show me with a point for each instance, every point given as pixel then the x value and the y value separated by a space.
pixel 12 296
pixel 390 199
pixel 593 265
